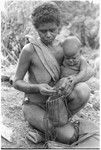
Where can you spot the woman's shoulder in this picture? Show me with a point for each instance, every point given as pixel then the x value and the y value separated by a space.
pixel 28 48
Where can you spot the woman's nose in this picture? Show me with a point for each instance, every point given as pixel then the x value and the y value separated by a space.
pixel 71 60
pixel 48 34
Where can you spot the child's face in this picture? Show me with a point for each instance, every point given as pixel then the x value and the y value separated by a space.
pixel 73 59
pixel 48 32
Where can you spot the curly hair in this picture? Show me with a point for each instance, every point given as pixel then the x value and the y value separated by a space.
pixel 46 13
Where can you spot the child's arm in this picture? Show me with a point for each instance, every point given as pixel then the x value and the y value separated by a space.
pixel 74 79
pixel 86 72
pixel 83 71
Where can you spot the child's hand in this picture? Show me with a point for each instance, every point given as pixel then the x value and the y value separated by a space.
pixel 69 83
pixel 72 79
pixel 64 86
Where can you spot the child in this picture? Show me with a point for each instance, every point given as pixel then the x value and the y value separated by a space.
pixel 74 65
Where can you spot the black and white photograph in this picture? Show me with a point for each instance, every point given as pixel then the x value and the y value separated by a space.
pixel 50 91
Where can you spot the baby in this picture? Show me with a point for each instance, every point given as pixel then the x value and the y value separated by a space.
pixel 74 64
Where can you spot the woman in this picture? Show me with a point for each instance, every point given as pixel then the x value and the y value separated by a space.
pixel 42 59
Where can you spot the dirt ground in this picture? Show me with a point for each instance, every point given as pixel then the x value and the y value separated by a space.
pixel 12 115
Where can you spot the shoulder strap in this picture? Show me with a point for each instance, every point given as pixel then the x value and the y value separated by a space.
pixel 47 59
pixel 39 53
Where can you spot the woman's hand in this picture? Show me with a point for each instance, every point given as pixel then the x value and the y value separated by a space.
pixel 45 89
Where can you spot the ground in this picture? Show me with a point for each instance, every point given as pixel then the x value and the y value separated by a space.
pixel 12 115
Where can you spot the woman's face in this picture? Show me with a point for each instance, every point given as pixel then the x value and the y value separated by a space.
pixel 48 32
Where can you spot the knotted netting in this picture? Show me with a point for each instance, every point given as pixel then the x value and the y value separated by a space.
pixel 57 113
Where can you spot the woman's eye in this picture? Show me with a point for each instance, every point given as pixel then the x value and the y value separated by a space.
pixel 43 31
pixel 52 30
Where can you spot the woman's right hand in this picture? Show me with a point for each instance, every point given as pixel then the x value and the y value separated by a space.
pixel 45 89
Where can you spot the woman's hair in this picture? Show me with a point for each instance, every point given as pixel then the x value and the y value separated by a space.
pixel 46 13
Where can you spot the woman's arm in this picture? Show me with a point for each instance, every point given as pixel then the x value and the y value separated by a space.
pixel 22 68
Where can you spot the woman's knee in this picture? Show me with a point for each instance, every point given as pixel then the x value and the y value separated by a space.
pixel 82 91
pixel 66 134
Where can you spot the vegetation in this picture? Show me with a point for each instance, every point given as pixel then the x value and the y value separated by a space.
pixel 82 18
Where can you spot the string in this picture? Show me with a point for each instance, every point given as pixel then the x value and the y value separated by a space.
pixel 52 114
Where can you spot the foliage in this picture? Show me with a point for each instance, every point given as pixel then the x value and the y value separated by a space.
pixel 83 17
pixel 16 23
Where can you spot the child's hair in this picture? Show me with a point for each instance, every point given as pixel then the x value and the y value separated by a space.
pixel 46 13
pixel 71 45
pixel 73 41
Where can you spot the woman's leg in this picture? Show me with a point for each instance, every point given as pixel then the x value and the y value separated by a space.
pixel 35 115
pixel 77 101
pixel 78 98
